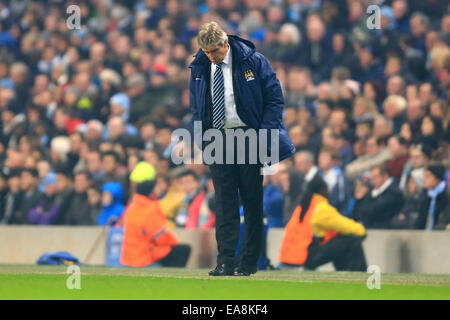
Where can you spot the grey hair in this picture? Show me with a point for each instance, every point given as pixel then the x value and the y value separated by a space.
pixel 423 18
pixel 211 34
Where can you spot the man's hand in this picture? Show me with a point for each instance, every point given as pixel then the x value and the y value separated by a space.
pixel 360 191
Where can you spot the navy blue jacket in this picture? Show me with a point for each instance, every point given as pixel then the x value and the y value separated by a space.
pixel 259 99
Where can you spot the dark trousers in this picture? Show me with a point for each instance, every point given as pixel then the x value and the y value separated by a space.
pixel 346 253
pixel 177 257
pixel 232 181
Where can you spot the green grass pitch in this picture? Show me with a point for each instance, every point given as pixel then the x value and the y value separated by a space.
pixel 49 282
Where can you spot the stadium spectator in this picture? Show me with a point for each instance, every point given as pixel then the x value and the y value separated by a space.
pixel 13 199
pixel 291 182
pixel 414 197
pixel 65 94
pixel 419 156
pixel 112 203
pixel 77 210
pixel 382 204
pixel 399 151
pixel 339 189
pixel 30 194
pixel 304 163
pixel 273 201
pixel 376 154
pixel 171 201
pixel 192 214
pixel 47 207
pixel 436 201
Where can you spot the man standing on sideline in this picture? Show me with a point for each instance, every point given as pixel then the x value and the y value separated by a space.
pixel 234 87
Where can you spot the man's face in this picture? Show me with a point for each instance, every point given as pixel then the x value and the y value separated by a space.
pixel 189 184
pixel 216 54
pixel 325 161
pixel 27 181
pixel 302 164
pixel 418 159
pixel 377 178
pixel 81 184
pixel 109 164
pixel 429 180
pixel 372 147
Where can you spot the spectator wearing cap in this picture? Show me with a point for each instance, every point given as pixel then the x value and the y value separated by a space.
pixel 419 156
pixel 399 150
pixel 31 194
pixel 384 202
pixel 436 200
pixel 46 210
pixel 141 172
pixel 120 106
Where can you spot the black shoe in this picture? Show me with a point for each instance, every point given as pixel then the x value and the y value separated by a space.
pixel 222 270
pixel 244 272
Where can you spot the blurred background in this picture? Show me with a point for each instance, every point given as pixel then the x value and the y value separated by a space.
pixel 81 108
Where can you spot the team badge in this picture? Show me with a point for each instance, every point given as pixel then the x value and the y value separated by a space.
pixel 249 75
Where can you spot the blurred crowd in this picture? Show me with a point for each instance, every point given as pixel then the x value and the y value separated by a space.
pixel 83 111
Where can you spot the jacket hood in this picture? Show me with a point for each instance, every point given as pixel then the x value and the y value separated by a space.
pixel 242 49
pixel 116 191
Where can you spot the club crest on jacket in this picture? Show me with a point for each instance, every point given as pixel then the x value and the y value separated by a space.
pixel 249 75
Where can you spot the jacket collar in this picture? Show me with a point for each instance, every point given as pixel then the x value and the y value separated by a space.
pixel 382 188
pixel 141 200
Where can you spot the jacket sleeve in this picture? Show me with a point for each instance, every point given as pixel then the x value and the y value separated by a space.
pixel 273 101
pixel 156 229
pixel 327 217
pixel 165 237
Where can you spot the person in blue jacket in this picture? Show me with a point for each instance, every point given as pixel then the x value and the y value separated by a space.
pixel 234 87
pixel 112 201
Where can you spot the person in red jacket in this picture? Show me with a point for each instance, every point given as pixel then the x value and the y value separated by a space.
pixel 147 239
